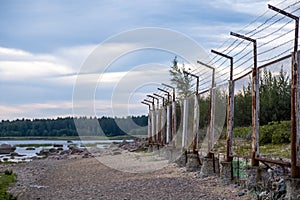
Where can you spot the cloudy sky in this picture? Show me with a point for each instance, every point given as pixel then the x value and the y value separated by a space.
pixel 44 46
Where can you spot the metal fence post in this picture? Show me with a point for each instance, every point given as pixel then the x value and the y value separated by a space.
pixel 230 120
pixel 169 118
pixel 174 124
pixel 185 122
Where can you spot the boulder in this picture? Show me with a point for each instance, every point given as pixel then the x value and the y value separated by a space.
pixel 76 150
pixel 53 151
pixel 6 148
pixel 43 152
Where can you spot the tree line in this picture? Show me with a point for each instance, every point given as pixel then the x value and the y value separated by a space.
pixel 274 92
pixel 275 100
pixel 134 125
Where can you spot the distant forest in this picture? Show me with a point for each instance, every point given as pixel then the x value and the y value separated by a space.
pixel 66 127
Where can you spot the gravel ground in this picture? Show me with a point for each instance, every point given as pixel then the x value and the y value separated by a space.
pixel 87 178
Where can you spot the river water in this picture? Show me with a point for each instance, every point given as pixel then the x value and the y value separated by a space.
pixel 46 144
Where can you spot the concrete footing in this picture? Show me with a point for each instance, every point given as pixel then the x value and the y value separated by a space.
pixel 251 173
pixel 170 153
pixel 193 162
pixel 226 173
pixel 155 147
pixel 255 175
pixel 292 188
pixel 181 161
pixel 207 168
pixel 150 148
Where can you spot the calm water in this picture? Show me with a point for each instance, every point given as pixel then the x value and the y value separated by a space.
pixel 28 154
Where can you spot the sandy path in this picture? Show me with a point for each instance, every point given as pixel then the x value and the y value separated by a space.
pixel 87 178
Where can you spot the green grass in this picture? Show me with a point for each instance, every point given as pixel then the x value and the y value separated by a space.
pixel 276 150
pixel 7 179
pixel 6 163
pixel 242 147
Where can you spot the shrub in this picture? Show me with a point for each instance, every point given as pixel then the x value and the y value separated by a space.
pixel 273 132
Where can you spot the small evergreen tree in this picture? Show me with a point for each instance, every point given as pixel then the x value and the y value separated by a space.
pixel 182 81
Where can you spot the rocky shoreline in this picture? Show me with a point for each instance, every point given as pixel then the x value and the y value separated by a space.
pixel 116 172
pixel 79 173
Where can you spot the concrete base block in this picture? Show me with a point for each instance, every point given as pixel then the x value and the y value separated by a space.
pixel 193 162
pixel 181 161
pixel 150 149
pixel 163 152
pixel 207 168
pixel 168 153
pixel 292 188
pixel 155 147
pixel 226 173
pixel 252 179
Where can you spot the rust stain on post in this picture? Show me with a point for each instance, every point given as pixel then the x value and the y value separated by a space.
pixel 149 129
pixel 230 121
pixel 195 124
pixel 255 119
pixel 298 111
pixel 295 135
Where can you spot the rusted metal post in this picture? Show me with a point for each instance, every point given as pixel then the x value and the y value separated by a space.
pixel 255 102
pixel 167 93
pixel 295 170
pixel 168 116
pixel 295 98
pixel 230 121
pixel 196 124
pixel 155 119
pixel 297 139
pixel 196 113
pixel 149 122
pixel 152 122
pixel 174 121
pixel 230 108
pixel 162 132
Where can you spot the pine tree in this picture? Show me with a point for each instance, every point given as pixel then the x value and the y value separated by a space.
pixel 181 81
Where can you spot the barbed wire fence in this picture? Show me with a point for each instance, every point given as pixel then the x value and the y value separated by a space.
pixel 275 45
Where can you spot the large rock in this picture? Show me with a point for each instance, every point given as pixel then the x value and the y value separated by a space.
pixel 6 148
pixel 44 153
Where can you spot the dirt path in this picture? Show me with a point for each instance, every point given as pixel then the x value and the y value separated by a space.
pixel 87 178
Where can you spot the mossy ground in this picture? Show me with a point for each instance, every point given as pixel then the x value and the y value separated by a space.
pixel 7 179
